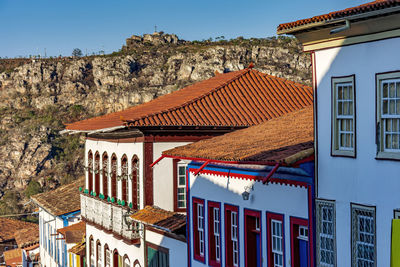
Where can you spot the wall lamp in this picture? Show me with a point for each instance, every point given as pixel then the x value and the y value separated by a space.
pixel 246 193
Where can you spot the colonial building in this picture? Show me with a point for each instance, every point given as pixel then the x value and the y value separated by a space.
pixel 121 147
pixel 356 82
pixel 250 195
pixel 11 236
pixel 74 235
pixel 57 209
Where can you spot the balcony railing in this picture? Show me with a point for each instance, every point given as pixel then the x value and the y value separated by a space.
pixel 109 216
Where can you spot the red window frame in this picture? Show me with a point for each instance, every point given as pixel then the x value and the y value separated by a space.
pixel 277 217
pixel 294 221
pixel 212 247
pixel 228 235
pixel 175 177
pixel 105 170
pixel 97 173
pixel 114 184
pixel 90 170
pixel 134 182
pixel 196 241
pixel 124 178
pixel 257 214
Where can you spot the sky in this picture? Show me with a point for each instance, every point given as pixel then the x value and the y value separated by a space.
pixel 56 27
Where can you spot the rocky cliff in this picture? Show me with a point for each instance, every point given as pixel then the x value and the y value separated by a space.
pixel 40 95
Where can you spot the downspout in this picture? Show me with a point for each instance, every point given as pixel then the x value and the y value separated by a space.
pixel 202 167
pixel 268 177
pixel 340 29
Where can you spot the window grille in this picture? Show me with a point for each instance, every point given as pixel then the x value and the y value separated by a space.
pixel 326 234
pixel 363 236
pixel 277 242
pixel 234 237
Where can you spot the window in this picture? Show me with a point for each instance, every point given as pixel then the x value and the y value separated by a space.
pixel 326 233
pixel 97 173
pixel 388 115
pixel 231 235
pixel 107 256
pixel 363 235
pixel 124 178
pixel 91 250
pixel 127 263
pixel 114 176
pixel 198 229
pixel 214 233
pixel 343 116
pixel 105 174
pixel 98 254
pixel 90 170
pixel 179 185
pixel 135 183
pixel 157 256
pixel 276 243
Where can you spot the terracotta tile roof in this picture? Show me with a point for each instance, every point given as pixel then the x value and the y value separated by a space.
pixel 9 227
pixel 73 233
pixel 78 249
pixel 62 200
pixel 13 257
pixel 364 8
pixel 240 98
pixel 281 140
pixel 27 236
pixel 159 218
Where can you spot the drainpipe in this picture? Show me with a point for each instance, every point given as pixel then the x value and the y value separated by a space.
pixel 267 178
pixel 340 29
pixel 202 167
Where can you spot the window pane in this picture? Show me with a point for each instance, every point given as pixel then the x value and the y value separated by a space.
pixel 181 180
pixel 392 91
pixel 385 90
pixel 340 92
pixel 392 105
pixel 182 170
pixel 340 108
pixel 385 107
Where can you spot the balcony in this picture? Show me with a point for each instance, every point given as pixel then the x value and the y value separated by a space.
pixel 110 217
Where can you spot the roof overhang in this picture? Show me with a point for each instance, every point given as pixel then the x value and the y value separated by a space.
pixel 374 25
pixel 105 130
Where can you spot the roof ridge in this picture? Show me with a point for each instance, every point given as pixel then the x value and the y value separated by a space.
pixel 283 79
pixel 240 73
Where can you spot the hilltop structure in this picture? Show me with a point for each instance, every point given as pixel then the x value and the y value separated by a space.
pixel 156 39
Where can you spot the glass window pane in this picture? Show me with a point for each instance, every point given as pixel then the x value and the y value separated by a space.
pixel 182 170
pixel 340 108
pixel 351 92
pixel 384 107
pixel 385 90
pixel 392 105
pixel 392 91
pixel 346 108
pixel 398 89
pixel 340 92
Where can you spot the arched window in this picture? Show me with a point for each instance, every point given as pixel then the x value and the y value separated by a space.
pixel 114 176
pixel 124 178
pixel 105 174
pixel 107 256
pixel 116 258
pixel 135 183
pixel 98 253
pixel 97 173
pixel 127 262
pixel 90 170
pixel 91 251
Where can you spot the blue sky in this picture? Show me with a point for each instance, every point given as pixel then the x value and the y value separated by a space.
pixel 28 27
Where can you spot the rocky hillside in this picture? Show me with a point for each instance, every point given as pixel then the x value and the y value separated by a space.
pixel 39 95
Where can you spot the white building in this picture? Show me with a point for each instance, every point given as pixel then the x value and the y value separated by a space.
pixel 356 76
pixel 250 195
pixel 121 147
pixel 57 209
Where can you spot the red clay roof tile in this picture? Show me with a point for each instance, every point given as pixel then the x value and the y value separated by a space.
pixel 240 98
pixel 364 8
pixel 285 139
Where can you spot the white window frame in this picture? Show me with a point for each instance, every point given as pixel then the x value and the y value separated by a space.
pixel 98 253
pixel 234 238
pixel 337 148
pixel 326 231
pixel 200 227
pixel 107 259
pixel 383 118
pixel 363 234
pixel 92 254
pixel 217 234
pixel 180 186
pixel 277 238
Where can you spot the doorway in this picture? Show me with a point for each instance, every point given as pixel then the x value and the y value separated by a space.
pixel 299 242
pixel 253 238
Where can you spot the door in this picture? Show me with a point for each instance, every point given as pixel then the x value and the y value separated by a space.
pixel 303 246
pixel 253 239
pixel 299 242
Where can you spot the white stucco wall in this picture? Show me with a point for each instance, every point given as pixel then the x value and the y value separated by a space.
pixel 132 251
pixel 46 258
pixel 163 176
pixel 363 180
pixel 120 149
pixel 282 199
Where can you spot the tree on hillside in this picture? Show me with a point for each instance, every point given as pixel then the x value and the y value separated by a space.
pixel 77 52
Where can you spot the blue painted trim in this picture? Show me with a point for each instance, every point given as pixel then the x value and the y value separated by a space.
pixel 286 173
